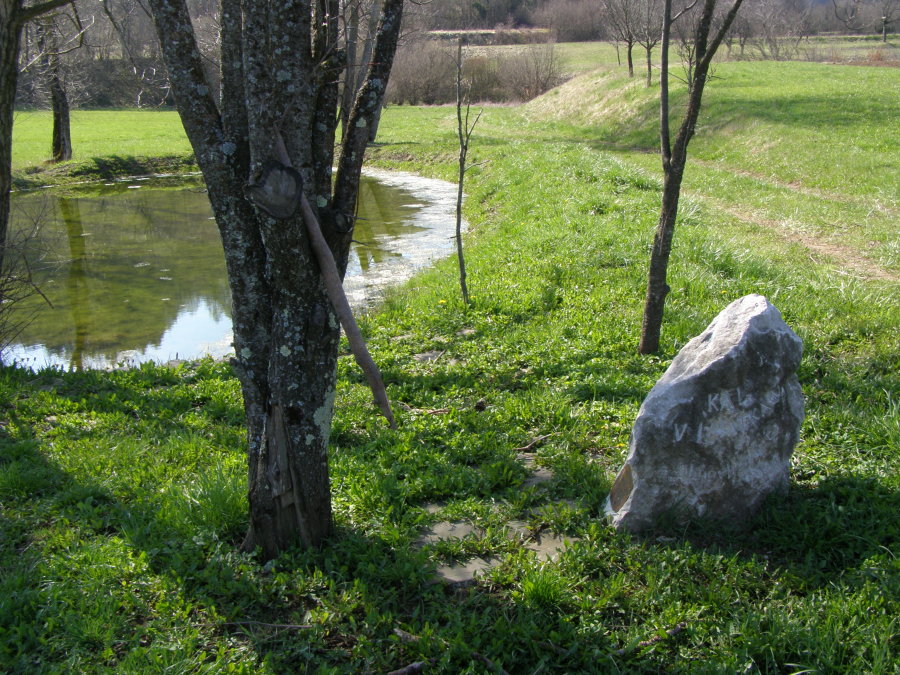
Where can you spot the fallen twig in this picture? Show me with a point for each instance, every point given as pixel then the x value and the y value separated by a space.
pixel 410 638
pixel 671 632
pixel 426 411
pixel 286 626
pixel 535 442
pixel 417 667
pixel 405 637
pixel 554 648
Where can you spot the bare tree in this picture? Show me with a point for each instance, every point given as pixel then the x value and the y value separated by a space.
pixel 778 26
pixel 51 37
pixel 464 131
pixel 266 149
pixel 674 155
pixel 649 30
pixel 887 14
pixel 848 13
pixel 622 16
pixel 14 14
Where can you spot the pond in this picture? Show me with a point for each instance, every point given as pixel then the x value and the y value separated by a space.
pixel 135 272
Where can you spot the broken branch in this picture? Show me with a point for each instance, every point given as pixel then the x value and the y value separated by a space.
pixel 671 632
pixel 537 441
pixel 335 290
pixel 288 626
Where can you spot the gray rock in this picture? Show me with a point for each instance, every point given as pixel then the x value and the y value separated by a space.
pixel 464 573
pixel 445 531
pixel 538 478
pixel 714 436
pixel 548 546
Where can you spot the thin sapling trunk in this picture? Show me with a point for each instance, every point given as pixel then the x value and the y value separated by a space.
pixel 464 134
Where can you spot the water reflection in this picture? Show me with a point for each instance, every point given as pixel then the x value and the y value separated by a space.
pixel 137 271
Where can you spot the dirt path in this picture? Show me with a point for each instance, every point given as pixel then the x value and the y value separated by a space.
pixel 887 209
pixel 851 260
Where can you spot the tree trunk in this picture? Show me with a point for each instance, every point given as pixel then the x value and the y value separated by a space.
pixel 657 286
pixel 62 132
pixel 649 66
pixel 10 34
pixel 463 134
pixel 674 158
pixel 629 47
pixel 353 66
pixel 286 333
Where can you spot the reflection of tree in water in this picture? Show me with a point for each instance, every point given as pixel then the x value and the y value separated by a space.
pixel 128 263
pixel 127 269
pixel 76 279
pixel 383 213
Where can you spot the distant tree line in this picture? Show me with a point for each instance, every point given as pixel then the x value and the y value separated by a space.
pixel 106 54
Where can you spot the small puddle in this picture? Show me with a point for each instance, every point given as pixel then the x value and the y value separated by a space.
pixel 135 270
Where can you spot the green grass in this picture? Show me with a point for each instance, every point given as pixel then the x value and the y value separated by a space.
pixel 810 148
pixel 122 493
pixel 105 144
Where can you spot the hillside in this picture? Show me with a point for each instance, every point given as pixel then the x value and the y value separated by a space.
pixel 813 149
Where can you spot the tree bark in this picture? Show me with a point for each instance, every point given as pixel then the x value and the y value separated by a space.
pixel 629 48
pixel 674 158
pixel 61 142
pixel 10 35
pixel 286 333
pixel 62 129
pixel 649 66
pixel 464 133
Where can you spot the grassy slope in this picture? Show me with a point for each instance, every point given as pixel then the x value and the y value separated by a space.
pixel 128 485
pixel 810 148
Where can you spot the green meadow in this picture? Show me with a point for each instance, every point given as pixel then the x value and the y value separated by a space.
pixel 122 494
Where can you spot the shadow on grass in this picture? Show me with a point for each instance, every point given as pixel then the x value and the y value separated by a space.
pixel 307 609
pixel 822 532
pixel 92 578
pixel 846 525
pixel 116 166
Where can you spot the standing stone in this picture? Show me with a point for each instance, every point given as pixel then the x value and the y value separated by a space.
pixel 714 436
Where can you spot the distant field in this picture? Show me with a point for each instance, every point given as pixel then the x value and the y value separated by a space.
pixel 580 57
pixel 814 146
pixel 100 133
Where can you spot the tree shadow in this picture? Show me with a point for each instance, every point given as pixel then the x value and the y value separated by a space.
pixel 819 534
pixel 71 549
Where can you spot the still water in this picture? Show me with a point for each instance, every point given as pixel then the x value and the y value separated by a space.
pixel 135 271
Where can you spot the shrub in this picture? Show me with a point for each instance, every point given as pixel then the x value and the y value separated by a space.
pixel 424 73
pixel 529 72
pixel 571 20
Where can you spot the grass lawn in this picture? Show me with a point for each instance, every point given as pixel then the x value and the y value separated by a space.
pixel 123 494
pixel 106 143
